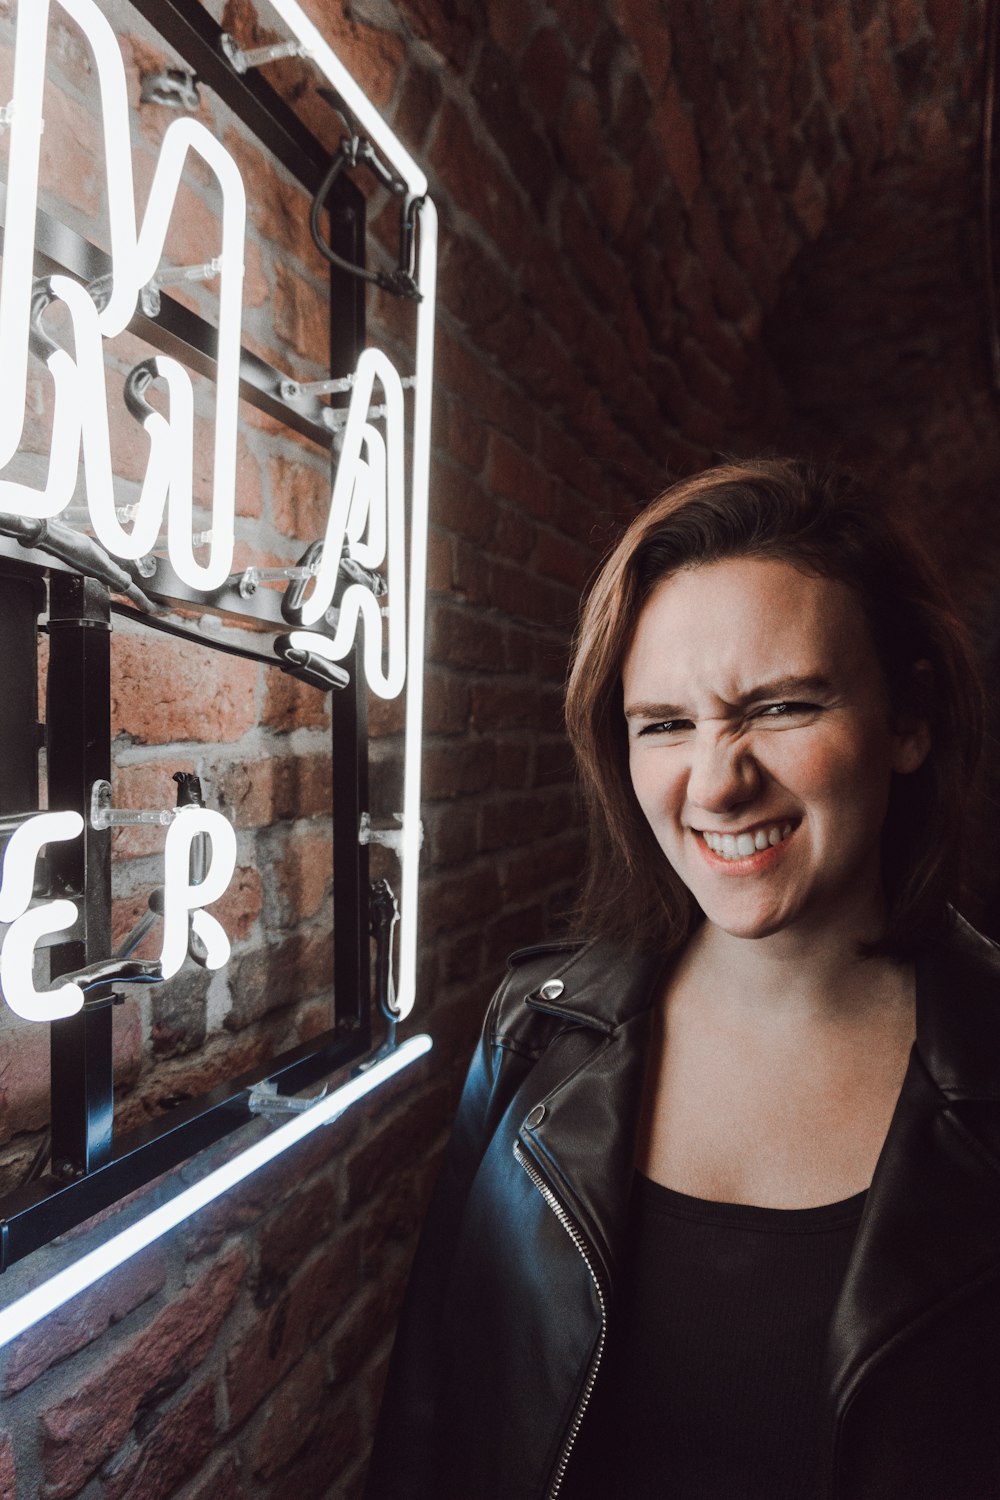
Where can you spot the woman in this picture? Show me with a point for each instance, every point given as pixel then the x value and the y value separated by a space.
pixel 721 1212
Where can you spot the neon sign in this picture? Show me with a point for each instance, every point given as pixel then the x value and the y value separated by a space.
pixel 368 510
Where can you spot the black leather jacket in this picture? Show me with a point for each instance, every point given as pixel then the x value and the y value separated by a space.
pixel 514 1281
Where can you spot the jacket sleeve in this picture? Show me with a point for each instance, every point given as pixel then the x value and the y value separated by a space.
pixel 403 1462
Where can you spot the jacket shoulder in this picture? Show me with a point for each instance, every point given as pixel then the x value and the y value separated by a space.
pixel 958 1012
pixel 591 983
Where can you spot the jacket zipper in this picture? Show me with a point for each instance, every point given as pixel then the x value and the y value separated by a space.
pixel 584 1252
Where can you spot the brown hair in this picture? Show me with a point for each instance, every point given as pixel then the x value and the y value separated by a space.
pixel 820 520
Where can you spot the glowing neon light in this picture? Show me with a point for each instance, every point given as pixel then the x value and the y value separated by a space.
pixel 27 1310
pixel 368 502
pixel 182 901
pixel 360 106
pixel 81 403
pixel 406 990
pixel 28 926
pixel 369 494
pixel 182 905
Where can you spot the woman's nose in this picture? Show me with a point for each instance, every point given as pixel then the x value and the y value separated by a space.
pixel 722 775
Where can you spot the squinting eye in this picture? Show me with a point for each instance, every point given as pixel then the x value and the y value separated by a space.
pixel 667 726
pixel 782 710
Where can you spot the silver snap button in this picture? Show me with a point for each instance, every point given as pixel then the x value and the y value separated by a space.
pixel 536 1117
pixel 551 989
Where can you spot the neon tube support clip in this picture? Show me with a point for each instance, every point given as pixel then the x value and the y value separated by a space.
pixel 259 57
pixel 103 815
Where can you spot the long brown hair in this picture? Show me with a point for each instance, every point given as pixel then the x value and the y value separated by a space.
pixel 822 521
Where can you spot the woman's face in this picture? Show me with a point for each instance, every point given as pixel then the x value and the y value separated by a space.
pixel 760 744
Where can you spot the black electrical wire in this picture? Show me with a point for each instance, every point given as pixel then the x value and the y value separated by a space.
pixel 355 149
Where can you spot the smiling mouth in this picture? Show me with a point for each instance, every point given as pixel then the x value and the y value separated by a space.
pixel 733 846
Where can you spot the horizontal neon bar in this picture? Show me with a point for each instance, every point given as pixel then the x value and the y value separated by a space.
pixel 59 1289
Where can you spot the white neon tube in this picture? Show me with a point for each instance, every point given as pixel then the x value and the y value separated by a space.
pixel 135 260
pixel 19 228
pixel 59 1289
pixel 182 137
pixel 368 494
pixel 21 855
pixel 117 160
pixel 181 898
pixel 27 927
pixel 367 116
pixel 419 500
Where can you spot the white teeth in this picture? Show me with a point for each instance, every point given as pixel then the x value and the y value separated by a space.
pixel 740 846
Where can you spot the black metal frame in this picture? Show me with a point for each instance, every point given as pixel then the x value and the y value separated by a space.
pixel 91 1169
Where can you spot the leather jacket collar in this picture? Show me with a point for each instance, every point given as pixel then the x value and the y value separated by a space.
pixel 931 1223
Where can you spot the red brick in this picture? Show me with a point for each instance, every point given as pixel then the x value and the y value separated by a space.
pixel 837 56
pixel 464 638
pixel 581 133
pixel 258 793
pixel 24 1076
pixel 223 1483
pixel 304 874
pixel 81 1431
pixel 455 768
pixel 449 29
pixel 530 870
pixel 582 21
pixel 510 22
pixel 452 833
pixel 418 103
pixel 171 1452
pixel 301 313
pixel 647 31
pixel 463 435
pixel 459 503
pixel 277 1340
pixel 676 131
pixel 241 904
pixel 8 1476
pixel 945 17
pixel 809 202
pixel 292 704
pixel 300 498
pixel 291 1417
pixel 546 69
pixel 446 703
pixel 302 1223
pixel 278 206
pixel 478 183
pixel 396 1148
pixel 279 975
pixel 164 690
pixel 71 164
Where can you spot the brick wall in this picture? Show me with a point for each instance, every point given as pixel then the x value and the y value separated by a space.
pixel 668 230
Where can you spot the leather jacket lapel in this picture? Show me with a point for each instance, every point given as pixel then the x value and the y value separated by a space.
pixel 931 1224
pixel 584 1142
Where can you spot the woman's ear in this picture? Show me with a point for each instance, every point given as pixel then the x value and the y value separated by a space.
pixel 912 727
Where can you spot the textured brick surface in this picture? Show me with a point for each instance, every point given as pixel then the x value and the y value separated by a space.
pixel 666 233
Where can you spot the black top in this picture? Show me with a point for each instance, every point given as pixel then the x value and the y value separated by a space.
pixel 710 1384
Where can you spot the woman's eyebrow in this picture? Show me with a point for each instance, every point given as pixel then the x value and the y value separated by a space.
pixel 781 687
pixel 789 687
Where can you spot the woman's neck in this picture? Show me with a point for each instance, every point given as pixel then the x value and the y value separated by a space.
pixel 791 978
